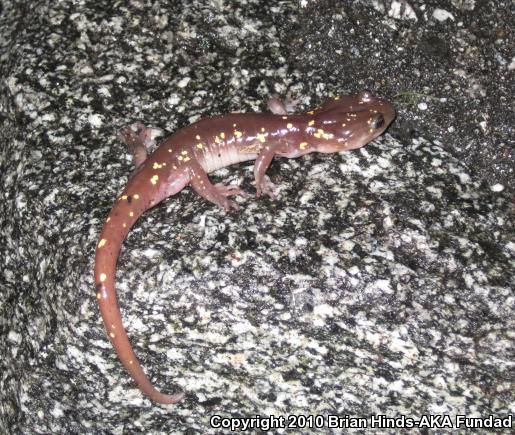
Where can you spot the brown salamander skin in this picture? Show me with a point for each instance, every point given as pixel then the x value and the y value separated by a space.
pixel 186 157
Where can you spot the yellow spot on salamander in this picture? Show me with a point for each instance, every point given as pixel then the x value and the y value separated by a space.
pixel 99 295
pixel 103 277
pixel 102 243
pixel 136 196
pixel 131 362
pixel 261 137
pixel 238 134
pixel 184 152
pixel 217 139
pixel 187 159
pixel 289 125
pixel 336 98
pixel 108 219
pixel 344 125
pixel 158 165
pixel 154 179
pixel 124 197
pixel 180 158
pixel 131 214
pixel 234 125
pixel 111 334
pixel 222 135
pixel 284 117
pixel 262 129
pixel 170 150
pixel 200 146
pixel 303 145
pixel 319 133
pixel 197 137
pixel 311 112
pixel 312 122
pixel 124 225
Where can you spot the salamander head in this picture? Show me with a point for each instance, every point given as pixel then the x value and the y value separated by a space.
pixel 349 122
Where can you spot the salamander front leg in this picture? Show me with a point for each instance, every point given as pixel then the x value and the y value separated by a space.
pixel 263 182
pixel 215 193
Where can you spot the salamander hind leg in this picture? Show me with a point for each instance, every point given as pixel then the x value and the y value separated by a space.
pixel 139 140
pixel 280 107
pixel 215 193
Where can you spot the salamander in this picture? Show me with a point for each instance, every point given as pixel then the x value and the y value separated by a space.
pixel 187 156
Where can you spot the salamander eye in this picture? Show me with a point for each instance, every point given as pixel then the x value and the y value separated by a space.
pixel 377 121
pixel 365 96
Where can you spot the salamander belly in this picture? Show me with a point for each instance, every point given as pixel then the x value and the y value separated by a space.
pixel 223 157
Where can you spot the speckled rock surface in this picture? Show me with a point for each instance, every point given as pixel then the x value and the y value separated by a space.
pixel 379 282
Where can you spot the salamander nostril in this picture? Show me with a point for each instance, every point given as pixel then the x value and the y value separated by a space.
pixel 378 121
